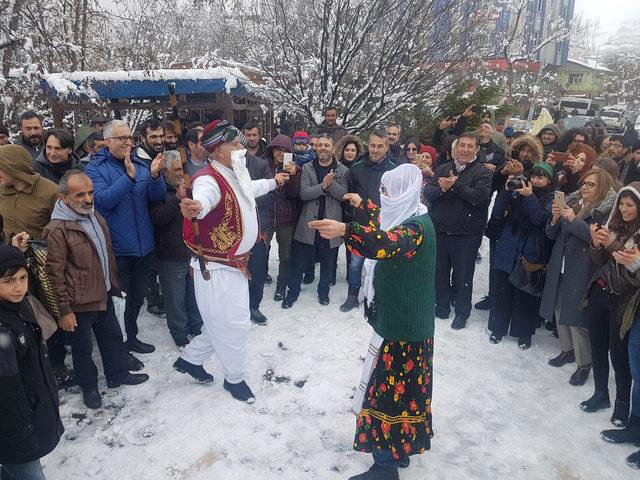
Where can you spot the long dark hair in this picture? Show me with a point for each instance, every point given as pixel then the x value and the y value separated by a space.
pixel 625 230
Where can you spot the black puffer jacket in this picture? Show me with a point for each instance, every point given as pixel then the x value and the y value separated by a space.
pixel 30 425
pixel 364 179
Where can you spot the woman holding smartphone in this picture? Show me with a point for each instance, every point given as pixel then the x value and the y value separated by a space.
pixel 570 268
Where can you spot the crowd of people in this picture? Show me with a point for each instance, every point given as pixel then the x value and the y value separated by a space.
pixel 560 210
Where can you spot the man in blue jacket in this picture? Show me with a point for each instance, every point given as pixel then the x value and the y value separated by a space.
pixel 123 187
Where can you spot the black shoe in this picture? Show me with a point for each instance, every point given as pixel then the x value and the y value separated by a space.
pixel 484 304
pixel 351 303
pixel 633 460
pixel 156 309
pixel 620 416
pixel 279 295
pixel 459 323
pixel 580 376
pixel 323 299
pixel 377 472
pixel 196 371
pixel 181 342
pixel 478 257
pixel 332 283
pixel 257 317
pixel 268 279
pixel 628 434
pixel 524 343
pixel 64 377
pixel 132 363
pixel 599 401
pixel 91 398
pixel 563 358
pixel 135 345
pixel 131 379
pixel 308 278
pixel 289 300
pixel 495 338
pixel 551 326
pixel 240 391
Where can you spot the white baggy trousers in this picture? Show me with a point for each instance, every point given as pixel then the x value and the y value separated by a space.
pixel 224 306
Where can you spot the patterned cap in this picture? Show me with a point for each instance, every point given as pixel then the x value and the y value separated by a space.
pixel 219 132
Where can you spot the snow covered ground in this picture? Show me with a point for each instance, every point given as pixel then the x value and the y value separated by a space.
pixel 499 413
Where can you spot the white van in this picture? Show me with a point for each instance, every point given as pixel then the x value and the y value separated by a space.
pixel 614 119
pixel 578 106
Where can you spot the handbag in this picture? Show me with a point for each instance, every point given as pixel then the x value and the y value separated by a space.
pixel 44 288
pixel 529 277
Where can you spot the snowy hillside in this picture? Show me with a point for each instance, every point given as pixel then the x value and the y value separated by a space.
pixel 499 413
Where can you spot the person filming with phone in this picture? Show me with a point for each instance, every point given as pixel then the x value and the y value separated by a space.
pixel 323 185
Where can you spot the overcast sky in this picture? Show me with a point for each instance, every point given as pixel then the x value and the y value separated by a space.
pixel 610 12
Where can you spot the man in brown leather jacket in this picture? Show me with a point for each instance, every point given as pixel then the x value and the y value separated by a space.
pixel 81 265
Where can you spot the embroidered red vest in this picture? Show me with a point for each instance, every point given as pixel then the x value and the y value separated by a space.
pixel 221 229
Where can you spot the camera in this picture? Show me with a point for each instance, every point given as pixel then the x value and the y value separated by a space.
pixel 517 183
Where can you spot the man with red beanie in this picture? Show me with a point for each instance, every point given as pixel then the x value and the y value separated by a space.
pixel 225 206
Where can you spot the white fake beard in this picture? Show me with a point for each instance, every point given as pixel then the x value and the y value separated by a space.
pixel 239 165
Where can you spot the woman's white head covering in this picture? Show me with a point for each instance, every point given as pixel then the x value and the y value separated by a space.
pixel 400 190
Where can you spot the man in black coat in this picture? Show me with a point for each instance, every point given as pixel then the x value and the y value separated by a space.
pixel 183 316
pixel 30 425
pixel 31 133
pixel 57 157
pixel 259 260
pixel 460 193
pixel 364 179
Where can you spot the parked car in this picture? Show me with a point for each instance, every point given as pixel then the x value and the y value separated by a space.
pixel 614 119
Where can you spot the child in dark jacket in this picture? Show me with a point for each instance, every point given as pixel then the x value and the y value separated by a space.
pixel 30 425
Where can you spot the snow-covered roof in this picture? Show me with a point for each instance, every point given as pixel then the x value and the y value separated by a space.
pixel 592 64
pixel 146 83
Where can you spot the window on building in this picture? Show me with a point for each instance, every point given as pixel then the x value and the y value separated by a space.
pixel 575 78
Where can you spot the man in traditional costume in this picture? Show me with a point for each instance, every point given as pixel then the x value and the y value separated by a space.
pixel 224 204
pixel 393 400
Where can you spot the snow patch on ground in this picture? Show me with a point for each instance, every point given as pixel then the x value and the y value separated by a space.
pixel 499 413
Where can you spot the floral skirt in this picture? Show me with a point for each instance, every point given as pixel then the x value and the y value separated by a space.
pixel 396 413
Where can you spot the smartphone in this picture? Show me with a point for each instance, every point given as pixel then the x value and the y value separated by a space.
pixel 560 200
pixel 560 157
pixel 515 155
pixel 288 159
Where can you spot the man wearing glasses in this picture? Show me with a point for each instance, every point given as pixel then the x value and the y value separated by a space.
pixel 123 188
pixel 224 202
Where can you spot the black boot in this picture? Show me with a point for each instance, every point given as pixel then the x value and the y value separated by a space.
pixel 599 401
pixel 196 371
pixel 484 304
pixel 135 345
pixel 633 460
pixel 580 376
pixel 64 377
pixel 289 300
pixel 620 416
pixel 458 323
pixel 268 279
pixel 308 278
pixel 564 357
pixel 280 291
pixel 131 379
pixel 495 338
pixel 628 434
pixel 352 300
pixel 240 391
pixel 257 317
pixel 377 472
pixel 91 398
pixel 524 343
pixel 133 364
pixel 323 299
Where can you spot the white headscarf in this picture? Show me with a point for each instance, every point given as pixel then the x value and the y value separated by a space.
pixel 399 200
